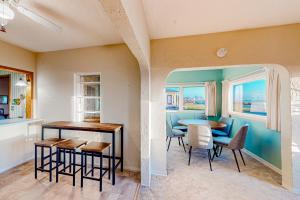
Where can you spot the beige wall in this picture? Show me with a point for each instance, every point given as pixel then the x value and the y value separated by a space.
pixel 13 56
pixel 120 89
pixel 274 45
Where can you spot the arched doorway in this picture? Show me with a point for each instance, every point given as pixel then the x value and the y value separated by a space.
pixel 158 107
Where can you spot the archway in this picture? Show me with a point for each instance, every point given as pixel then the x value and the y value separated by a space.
pixel 158 108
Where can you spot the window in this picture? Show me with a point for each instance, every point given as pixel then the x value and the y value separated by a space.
pixel 185 97
pixel 194 98
pixel 88 98
pixel 249 96
pixel 172 98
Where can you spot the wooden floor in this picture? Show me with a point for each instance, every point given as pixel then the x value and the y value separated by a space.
pixel 19 183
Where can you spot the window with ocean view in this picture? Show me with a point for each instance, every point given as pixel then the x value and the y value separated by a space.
pixel 185 97
pixel 250 97
pixel 194 98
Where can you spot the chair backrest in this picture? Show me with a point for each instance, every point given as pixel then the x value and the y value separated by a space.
pixel 238 141
pixel 200 136
pixel 228 121
pixel 169 128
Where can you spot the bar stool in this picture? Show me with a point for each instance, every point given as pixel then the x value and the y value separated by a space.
pixel 68 146
pixel 47 143
pixel 94 149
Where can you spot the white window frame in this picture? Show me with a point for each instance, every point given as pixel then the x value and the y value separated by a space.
pixel 77 83
pixel 249 78
pixel 181 86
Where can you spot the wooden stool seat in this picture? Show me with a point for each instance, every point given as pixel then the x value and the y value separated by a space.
pixel 95 147
pixel 71 144
pixel 49 142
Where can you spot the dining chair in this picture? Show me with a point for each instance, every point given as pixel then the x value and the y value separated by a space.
pixel 200 137
pixel 174 133
pixel 226 131
pixel 235 143
pixel 174 119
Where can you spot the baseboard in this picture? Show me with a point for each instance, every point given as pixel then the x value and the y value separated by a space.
pixel 159 173
pixel 264 162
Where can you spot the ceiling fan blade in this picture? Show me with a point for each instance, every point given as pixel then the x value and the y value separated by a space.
pixel 37 18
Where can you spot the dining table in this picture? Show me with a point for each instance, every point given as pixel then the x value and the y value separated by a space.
pixel 106 128
pixel 212 124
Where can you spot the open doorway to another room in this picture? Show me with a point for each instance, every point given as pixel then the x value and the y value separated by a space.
pixel 236 97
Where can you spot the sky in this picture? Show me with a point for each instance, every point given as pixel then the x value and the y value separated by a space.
pixel 194 92
pixel 255 90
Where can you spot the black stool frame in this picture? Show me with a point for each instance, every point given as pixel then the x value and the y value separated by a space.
pixel 103 171
pixel 72 163
pixel 43 158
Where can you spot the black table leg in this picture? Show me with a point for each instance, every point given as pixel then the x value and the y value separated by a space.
pixel 113 159
pixel 57 164
pixel 59 133
pixel 50 164
pixel 74 166
pixel 35 161
pixel 122 146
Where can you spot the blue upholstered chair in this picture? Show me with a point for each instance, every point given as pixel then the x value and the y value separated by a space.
pixel 173 122
pixel 235 143
pixel 226 131
pixel 174 133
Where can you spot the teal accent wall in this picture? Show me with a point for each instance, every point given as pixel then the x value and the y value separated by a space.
pixel 200 76
pixel 263 142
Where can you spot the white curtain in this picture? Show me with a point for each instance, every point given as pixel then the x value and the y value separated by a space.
pixel 225 96
pixel 273 99
pixel 211 91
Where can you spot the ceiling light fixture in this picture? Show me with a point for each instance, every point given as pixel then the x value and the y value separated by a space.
pixel 21 83
pixel 6 13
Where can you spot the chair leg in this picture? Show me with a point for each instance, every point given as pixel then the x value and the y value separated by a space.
pixel 209 159
pixel 215 152
pixel 237 163
pixel 183 144
pixel 190 154
pixel 179 141
pixel 242 157
pixel 220 151
pixel 169 143
pixel 167 139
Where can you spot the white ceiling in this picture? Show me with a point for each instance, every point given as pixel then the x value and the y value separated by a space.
pixel 173 18
pixel 84 24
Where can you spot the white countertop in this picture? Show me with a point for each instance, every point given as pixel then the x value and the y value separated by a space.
pixel 18 121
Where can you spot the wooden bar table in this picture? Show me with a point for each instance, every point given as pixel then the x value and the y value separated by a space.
pixel 112 129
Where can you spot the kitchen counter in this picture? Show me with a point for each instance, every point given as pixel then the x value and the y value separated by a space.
pixel 5 122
